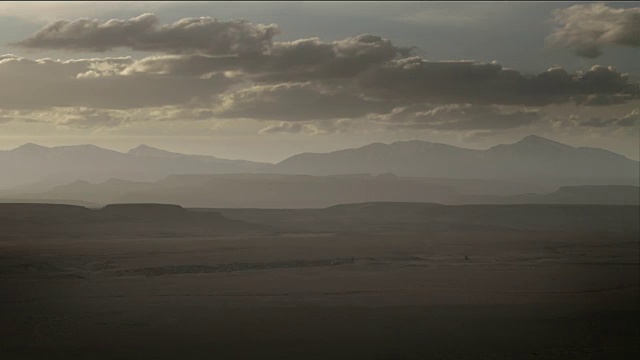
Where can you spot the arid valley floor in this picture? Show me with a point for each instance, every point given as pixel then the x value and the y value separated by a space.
pixel 245 285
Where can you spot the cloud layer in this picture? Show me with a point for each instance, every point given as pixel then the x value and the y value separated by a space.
pixel 206 69
pixel 632 119
pixel 145 33
pixel 457 117
pixel 586 29
pixel 96 83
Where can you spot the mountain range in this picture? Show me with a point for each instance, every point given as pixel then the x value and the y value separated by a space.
pixel 531 158
pixel 35 168
pixel 533 164
pixel 306 191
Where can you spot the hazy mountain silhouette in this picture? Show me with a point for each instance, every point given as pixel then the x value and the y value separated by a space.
pixel 253 190
pixel 533 158
pixel 304 191
pixel 38 168
pixel 586 194
pixel 576 195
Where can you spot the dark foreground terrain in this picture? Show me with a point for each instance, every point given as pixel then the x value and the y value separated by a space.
pixel 360 281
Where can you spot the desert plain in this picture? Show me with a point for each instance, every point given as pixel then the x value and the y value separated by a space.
pixel 254 284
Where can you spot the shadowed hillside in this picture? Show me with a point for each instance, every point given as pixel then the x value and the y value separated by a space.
pixel 46 220
pixel 414 217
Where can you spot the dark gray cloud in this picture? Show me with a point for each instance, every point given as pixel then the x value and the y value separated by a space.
pixel 417 80
pixel 300 60
pixel 380 71
pixel 298 102
pixel 234 70
pixel 28 84
pixel 145 33
pixel 459 117
pixel 632 119
pixel 601 100
pixel 311 59
pixel 586 29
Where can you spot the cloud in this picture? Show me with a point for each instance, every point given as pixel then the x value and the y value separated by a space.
pixel 387 76
pixel 183 94
pixel 457 117
pixel 229 70
pixel 96 118
pixel 309 127
pixel 95 83
pixel 145 33
pixel 82 118
pixel 632 119
pixel 92 118
pixel 297 102
pixel 283 127
pixel 448 82
pixel 311 59
pixel 73 117
pixel 601 100
pixel 588 28
pixel 335 126
pixel 294 61
pixel 628 122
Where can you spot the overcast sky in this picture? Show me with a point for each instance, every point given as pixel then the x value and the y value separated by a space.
pixel 263 81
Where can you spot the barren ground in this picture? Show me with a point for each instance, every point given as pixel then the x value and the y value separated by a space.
pixel 322 296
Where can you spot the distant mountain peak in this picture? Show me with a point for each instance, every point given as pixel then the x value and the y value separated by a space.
pixel 420 145
pixel 30 147
pixel 412 142
pixel 539 140
pixel 371 146
pixel 532 143
pixel 143 147
pixel 83 147
pixel 534 138
pixel 146 150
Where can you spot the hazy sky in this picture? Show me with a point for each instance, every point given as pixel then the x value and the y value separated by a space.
pixel 262 81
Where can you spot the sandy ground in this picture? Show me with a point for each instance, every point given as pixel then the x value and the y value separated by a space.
pixel 517 295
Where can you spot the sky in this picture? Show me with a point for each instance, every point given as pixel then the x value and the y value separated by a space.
pixel 266 80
